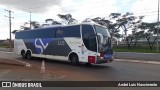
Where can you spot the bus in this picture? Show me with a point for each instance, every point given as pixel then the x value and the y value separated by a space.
pixel 80 43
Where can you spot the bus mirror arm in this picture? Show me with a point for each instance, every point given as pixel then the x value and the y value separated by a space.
pixel 101 37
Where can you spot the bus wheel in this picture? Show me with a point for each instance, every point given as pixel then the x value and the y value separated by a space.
pixel 74 60
pixel 88 64
pixel 28 55
pixel 23 54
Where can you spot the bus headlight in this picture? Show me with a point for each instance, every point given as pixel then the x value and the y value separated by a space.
pixel 102 58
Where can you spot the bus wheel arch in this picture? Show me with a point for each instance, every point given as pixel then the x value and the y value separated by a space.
pixel 23 54
pixel 73 57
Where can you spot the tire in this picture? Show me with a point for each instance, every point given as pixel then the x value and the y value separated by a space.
pixel 28 55
pixel 88 64
pixel 23 54
pixel 74 60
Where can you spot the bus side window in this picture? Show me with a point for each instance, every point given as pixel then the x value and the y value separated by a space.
pixel 89 37
pixel 70 31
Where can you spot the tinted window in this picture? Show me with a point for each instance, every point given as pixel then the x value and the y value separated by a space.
pixel 69 31
pixel 31 34
pixel 89 37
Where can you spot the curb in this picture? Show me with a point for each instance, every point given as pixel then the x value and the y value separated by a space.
pixel 138 61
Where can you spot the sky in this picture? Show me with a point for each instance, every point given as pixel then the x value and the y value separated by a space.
pixel 79 9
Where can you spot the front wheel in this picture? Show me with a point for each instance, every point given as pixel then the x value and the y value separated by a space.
pixel 88 64
pixel 74 60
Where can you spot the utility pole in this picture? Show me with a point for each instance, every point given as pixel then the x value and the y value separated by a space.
pixel 10 22
pixel 158 27
pixel 30 19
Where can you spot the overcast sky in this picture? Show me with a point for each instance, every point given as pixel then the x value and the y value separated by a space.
pixel 80 9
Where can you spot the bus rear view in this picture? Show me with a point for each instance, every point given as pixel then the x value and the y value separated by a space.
pixel 85 43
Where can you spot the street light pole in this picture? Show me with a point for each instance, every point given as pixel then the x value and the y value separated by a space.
pixel 158 27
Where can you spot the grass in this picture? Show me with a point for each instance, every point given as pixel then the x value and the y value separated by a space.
pixel 4 46
pixel 140 49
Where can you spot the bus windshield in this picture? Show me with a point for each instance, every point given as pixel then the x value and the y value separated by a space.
pixel 106 45
pixel 102 31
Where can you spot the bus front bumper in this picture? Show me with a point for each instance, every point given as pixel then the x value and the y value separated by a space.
pixel 102 60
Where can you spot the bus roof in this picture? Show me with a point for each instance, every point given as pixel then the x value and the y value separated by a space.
pixel 58 26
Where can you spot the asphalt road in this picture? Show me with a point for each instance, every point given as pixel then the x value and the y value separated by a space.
pixel 59 71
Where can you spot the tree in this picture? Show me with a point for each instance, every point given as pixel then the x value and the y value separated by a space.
pixel 115 27
pixel 137 36
pixel 87 20
pixel 112 27
pixel 53 22
pixel 68 18
pixel 136 32
pixel 127 22
pixel 149 30
pixel 26 26
pixel 35 24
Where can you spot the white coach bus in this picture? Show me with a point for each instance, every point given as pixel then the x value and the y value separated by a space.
pixel 86 43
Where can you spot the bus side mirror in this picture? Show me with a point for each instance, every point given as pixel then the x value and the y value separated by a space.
pixel 101 37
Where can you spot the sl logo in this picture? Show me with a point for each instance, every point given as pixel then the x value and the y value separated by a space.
pixel 41 45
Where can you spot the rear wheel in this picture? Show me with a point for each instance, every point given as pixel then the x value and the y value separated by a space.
pixel 74 59
pixel 28 55
pixel 23 54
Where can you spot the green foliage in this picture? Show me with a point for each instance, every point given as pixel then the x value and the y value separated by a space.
pixel 140 49
pixel 68 18
pixel 53 22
